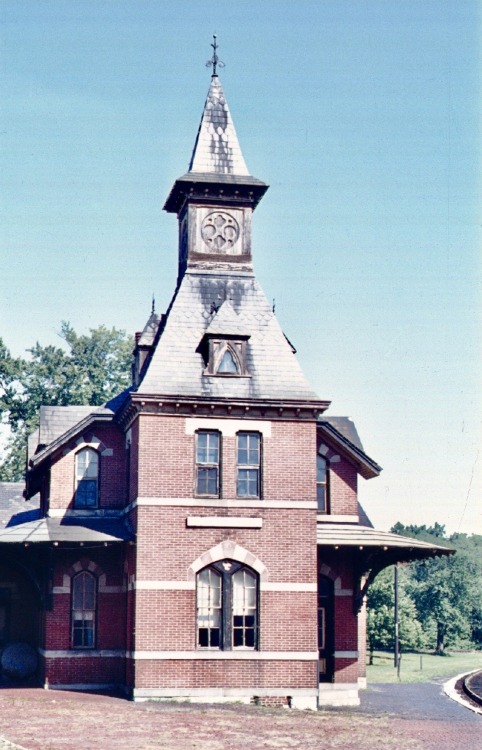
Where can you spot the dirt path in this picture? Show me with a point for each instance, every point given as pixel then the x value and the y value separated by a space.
pixel 49 720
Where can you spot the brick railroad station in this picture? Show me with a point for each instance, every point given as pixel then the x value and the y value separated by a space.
pixel 199 537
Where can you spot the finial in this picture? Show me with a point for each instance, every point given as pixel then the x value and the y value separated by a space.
pixel 214 61
pixel 153 308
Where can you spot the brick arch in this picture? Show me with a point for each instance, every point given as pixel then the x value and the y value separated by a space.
pixel 326 571
pixel 233 551
pixel 84 564
pixel 87 441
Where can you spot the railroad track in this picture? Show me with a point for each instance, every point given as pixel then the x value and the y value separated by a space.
pixel 473 686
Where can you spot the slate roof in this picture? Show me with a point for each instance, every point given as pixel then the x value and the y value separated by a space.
pixel 345 427
pixel 149 331
pixel 177 366
pixel 59 423
pixel 20 522
pixel 217 149
pixel 56 420
pixel 13 506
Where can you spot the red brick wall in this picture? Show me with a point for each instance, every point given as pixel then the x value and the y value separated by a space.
pixel 167 460
pixel 112 489
pixel 234 674
pixel 111 619
pixel 165 620
pixel 84 671
pixel 343 488
pixel 286 544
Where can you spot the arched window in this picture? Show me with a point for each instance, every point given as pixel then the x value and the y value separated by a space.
pixel 225 356
pixel 84 610
pixel 86 478
pixel 228 364
pixel 227 607
pixel 322 484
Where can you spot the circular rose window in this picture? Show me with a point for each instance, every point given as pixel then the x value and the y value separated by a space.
pixel 220 231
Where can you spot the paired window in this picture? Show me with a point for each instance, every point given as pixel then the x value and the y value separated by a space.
pixel 86 478
pixel 322 484
pixel 84 610
pixel 227 607
pixel 208 464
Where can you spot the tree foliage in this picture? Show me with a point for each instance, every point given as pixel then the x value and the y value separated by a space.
pixel 91 369
pixel 446 592
pixel 381 614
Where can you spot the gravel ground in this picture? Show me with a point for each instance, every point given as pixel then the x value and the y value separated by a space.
pixel 401 717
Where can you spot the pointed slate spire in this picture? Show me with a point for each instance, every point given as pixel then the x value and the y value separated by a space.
pixel 217 149
pixel 217 167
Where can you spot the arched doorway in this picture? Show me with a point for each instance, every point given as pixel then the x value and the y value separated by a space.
pixel 325 629
pixel 19 608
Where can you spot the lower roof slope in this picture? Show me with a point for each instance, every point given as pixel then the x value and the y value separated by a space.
pixel 177 365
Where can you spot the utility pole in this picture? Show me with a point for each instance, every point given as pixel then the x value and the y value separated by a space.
pixel 396 654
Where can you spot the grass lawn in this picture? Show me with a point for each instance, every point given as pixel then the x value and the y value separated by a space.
pixel 422 667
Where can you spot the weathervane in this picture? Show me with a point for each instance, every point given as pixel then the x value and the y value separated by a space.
pixel 214 61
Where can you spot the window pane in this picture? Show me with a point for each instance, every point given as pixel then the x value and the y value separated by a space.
pixel 242 441
pixel 213 448
pixel 86 493
pixel 321 483
pixel 321 497
pixel 320 469
pixel 228 363
pixel 208 447
pixel 202 442
pixel 89 592
pixel 83 610
pixel 244 587
pixel 87 462
pixel 248 482
pixel 248 448
pixel 207 481
pixel 209 589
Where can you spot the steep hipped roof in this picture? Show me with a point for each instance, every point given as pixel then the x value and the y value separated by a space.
pixel 177 366
pixel 217 149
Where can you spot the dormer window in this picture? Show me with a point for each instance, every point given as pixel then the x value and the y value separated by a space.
pixel 228 364
pixel 86 478
pixel 226 357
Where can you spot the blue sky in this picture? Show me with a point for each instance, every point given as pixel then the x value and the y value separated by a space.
pixel 364 118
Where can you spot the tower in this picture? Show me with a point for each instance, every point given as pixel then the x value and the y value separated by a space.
pixel 222 441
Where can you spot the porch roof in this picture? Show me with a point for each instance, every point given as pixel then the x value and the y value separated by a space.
pixel 402 548
pixel 66 529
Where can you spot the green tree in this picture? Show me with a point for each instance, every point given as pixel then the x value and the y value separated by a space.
pixel 381 614
pixel 93 369
pixel 447 591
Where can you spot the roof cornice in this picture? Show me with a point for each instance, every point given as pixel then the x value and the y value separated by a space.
pixel 367 467
pixel 275 410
